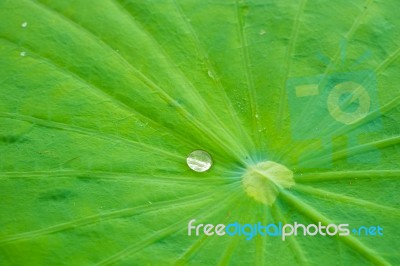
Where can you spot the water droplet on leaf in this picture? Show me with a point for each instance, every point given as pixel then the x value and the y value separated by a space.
pixel 199 161
pixel 24 24
pixel 22 53
pixel 210 74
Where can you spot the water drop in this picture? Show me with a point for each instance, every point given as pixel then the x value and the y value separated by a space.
pixel 262 32
pixel 24 24
pixel 22 53
pixel 210 74
pixel 199 161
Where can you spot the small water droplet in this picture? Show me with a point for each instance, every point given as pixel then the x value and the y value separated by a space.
pixel 199 161
pixel 257 116
pixel 24 24
pixel 210 74
pixel 22 53
pixel 262 32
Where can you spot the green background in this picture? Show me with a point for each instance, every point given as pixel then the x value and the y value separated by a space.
pixel 101 101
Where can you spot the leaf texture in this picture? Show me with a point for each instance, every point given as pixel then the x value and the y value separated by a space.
pixel 101 102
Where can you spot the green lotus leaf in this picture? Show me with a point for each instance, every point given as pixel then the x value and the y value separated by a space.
pixel 295 102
